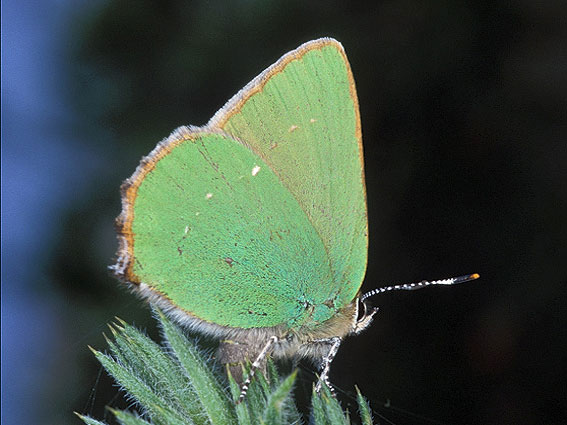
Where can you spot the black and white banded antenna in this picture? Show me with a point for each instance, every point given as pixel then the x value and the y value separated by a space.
pixel 421 285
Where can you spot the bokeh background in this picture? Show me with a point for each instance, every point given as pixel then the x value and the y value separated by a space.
pixel 464 113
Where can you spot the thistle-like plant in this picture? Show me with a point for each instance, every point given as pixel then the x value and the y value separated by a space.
pixel 175 384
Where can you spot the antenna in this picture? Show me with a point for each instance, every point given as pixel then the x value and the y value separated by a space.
pixel 420 285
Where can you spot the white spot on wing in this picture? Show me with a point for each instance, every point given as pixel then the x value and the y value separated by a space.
pixel 255 170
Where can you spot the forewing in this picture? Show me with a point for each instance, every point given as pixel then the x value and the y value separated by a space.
pixel 301 117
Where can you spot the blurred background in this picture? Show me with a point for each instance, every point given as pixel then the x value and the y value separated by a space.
pixel 464 115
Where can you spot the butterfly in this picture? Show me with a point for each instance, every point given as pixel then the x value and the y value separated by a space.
pixel 253 228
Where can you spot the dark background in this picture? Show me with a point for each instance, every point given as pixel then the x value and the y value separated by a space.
pixel 464 115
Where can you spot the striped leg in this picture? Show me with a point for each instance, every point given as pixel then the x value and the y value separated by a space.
pixel 334 344
pixel 259 360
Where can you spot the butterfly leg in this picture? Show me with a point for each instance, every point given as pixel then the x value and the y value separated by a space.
pixel 333 344
pixel 257 363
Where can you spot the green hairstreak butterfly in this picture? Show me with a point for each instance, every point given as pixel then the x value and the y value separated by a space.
pixel 253 228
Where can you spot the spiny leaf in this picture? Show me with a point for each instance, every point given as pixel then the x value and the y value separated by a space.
pixel 138 389
pixel 364 409
pixel 127 418
pixel 275 410
pixel 161 372
pixel 318 415
pixel 208 389
pixel 326 408
pixel 88 420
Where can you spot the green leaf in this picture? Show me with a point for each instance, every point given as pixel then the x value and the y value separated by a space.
pixel 208 389
pixel 88 420
pixel 363 408
pixel 136 386
pixel 318 414
pixel 329 410
pixel 157 370
pixel 276 408
pixel 127 418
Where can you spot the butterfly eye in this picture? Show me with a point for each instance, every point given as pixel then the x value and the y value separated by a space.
pixel 362 310
pixel 364 317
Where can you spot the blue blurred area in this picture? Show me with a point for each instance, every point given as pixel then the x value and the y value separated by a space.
pixel 44 170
